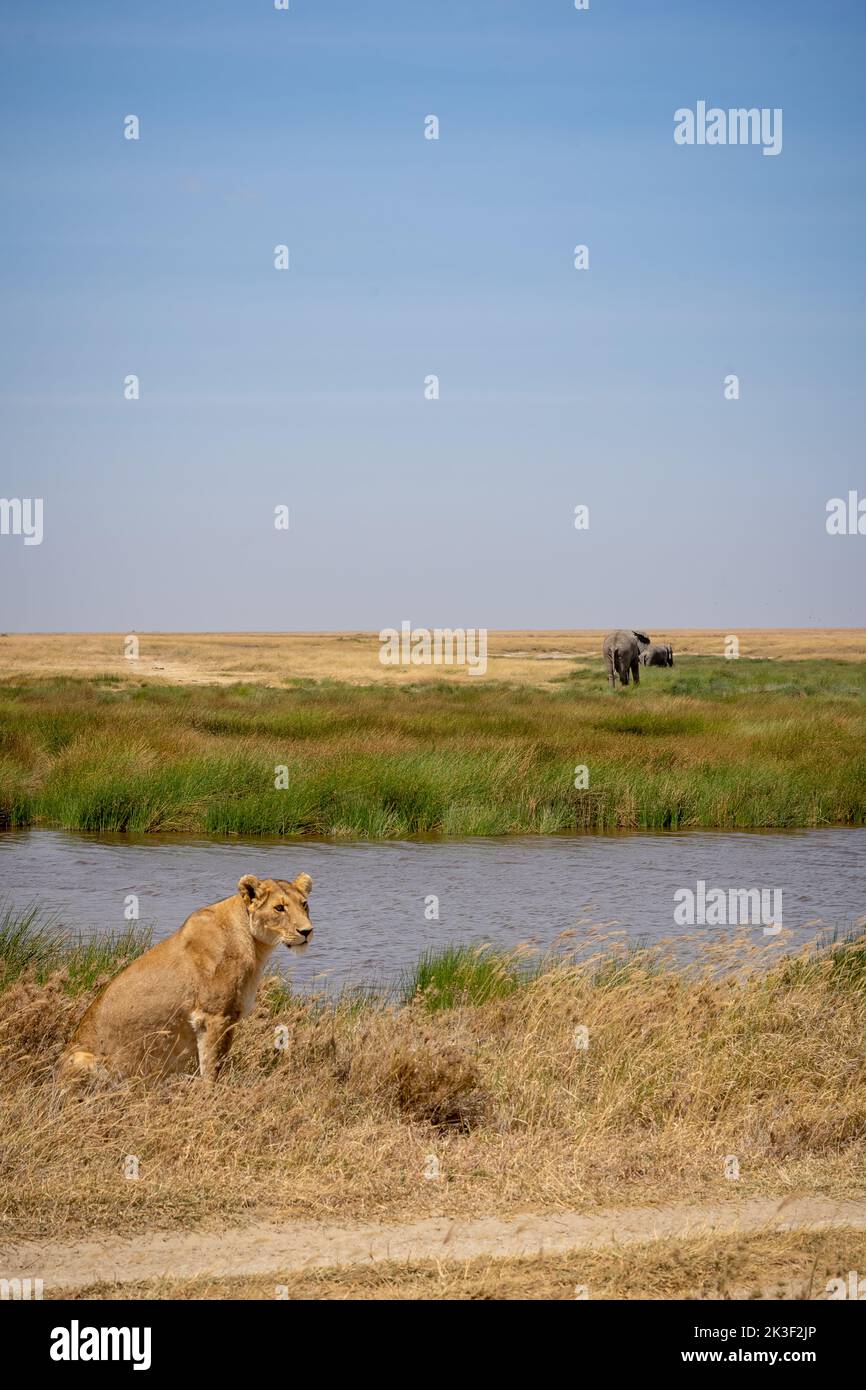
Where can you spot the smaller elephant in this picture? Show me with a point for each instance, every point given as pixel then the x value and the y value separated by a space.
pixel 621 651
pixel 657 654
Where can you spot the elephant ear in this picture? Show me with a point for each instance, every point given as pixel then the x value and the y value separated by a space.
pixel 642 637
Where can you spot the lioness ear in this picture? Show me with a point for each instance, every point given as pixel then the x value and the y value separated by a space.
pixel 248 887
pixel 303 883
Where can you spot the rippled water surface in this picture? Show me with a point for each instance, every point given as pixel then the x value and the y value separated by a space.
pixel 370 898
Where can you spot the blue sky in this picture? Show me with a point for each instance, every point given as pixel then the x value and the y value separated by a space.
pixel 411 257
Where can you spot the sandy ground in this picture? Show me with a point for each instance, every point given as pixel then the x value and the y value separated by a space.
pixel 296 1246
pixel 534 658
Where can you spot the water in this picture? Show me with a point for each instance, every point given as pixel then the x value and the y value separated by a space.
pixel 369 898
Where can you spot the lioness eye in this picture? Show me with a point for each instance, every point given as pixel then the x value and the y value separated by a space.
pixel 280 907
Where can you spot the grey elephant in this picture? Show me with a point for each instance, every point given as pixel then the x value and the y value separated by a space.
pixel 621 652
pixel 657 655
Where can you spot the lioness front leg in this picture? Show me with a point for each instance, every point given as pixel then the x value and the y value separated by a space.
pixel 213 1036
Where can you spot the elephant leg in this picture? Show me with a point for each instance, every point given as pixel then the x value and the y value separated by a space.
pixel 623 670
pixel 635 670
pixel 611 674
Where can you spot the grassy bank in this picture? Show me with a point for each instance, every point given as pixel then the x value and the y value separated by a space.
pixel 679 1072
pixel 710 743
pixel 33 944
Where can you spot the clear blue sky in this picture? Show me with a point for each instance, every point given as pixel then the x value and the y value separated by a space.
pixel 411 257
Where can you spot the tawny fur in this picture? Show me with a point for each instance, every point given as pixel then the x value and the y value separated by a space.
pixel 176 1007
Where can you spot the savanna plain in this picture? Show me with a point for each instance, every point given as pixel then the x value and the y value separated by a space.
pixel 482 1086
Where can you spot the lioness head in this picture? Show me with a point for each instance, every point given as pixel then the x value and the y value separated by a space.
pixel 278 910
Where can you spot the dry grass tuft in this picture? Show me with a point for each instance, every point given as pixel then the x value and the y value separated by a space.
pixel 429 1081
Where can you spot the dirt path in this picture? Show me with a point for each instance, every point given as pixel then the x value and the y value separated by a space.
pixel 297 1245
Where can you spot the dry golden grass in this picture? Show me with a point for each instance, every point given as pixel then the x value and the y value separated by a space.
pixel 789 1265
pixel 678 1075
pixel 533 658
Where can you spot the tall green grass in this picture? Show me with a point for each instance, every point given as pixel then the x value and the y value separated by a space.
pixel 30 940
pixel 33 943
pixel 454 975
pixel 710 743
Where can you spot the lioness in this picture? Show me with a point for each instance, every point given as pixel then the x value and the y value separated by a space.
pixel 178 1004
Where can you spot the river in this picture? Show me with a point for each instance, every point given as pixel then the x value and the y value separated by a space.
pixel 372 902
